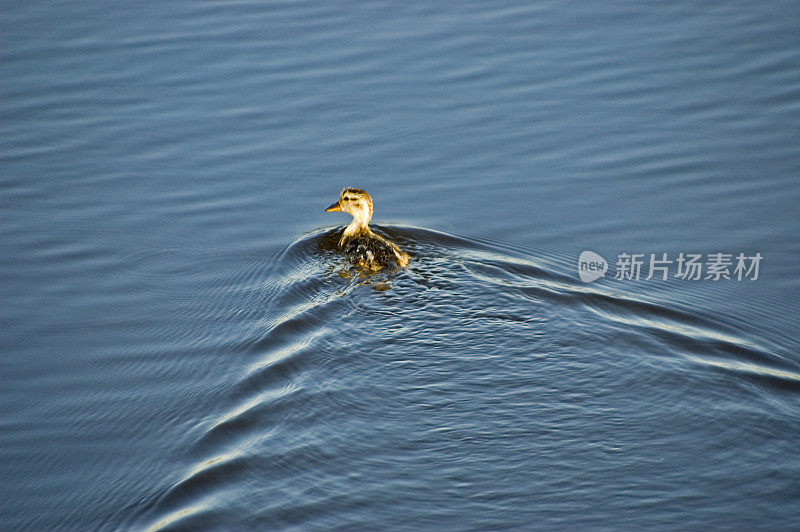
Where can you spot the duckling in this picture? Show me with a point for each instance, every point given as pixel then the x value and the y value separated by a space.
pixel 367 249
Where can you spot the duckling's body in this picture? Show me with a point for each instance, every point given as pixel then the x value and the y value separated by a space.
pixel 365 248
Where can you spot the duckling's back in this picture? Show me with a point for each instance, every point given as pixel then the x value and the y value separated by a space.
pixel 374 253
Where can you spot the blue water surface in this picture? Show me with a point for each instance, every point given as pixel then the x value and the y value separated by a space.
pixel 183 350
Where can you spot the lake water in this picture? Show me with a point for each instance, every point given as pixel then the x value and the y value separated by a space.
pixel 181 352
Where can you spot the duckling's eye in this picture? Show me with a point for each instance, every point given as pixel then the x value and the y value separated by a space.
pixel 347 199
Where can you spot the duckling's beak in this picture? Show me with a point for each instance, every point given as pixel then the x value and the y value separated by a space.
pixel 333 208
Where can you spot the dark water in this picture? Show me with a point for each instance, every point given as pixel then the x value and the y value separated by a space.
pixel 177 352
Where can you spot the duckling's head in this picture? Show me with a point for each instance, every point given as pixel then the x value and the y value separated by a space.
pixel 356 202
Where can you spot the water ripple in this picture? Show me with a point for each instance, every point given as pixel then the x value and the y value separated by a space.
pixel 485 319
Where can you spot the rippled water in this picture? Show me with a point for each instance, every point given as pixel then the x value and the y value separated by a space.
pixel 182 349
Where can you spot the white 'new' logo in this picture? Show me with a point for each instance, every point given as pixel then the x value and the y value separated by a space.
pixel 591 266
